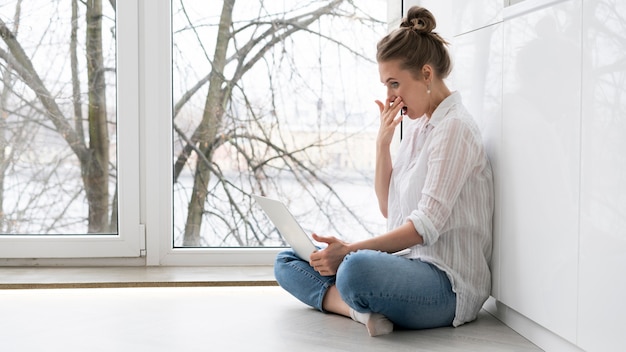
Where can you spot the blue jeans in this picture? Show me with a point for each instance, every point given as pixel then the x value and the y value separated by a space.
pixel 411 293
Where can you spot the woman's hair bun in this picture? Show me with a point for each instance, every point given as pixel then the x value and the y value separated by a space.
pixel 415 44
pixel 419 19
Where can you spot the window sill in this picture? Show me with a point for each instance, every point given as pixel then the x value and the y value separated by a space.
pixel 111 277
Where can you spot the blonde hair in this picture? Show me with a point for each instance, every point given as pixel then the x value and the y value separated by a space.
pixel 415 44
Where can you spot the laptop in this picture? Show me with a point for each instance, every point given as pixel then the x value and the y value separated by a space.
pixel 287 226
pixel 291 231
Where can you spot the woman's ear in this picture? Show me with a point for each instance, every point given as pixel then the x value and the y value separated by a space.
pixel 427 73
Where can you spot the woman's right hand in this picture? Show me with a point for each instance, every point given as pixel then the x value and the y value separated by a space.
pixel 389 119
pixel 327 261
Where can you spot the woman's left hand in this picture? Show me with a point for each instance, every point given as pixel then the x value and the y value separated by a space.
pixel 326 261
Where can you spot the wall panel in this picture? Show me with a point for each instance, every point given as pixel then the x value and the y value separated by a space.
pixel 541 166
pixel 603 193
pixel 477 75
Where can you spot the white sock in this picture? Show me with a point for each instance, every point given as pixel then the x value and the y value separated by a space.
pixel 377 324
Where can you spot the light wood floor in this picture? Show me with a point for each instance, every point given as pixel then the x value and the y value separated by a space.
pixel 261 318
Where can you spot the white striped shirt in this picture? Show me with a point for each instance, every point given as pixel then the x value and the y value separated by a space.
pixel 442 182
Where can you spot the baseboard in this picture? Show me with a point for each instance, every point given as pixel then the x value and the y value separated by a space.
pixel 535 333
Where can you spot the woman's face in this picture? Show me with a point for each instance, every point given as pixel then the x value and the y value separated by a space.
pixel 401 83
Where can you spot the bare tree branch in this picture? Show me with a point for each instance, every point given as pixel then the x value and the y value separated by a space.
pixel 23 66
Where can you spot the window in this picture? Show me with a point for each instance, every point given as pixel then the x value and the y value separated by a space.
pixel 291 116
pixel 279 102
pixel 62 128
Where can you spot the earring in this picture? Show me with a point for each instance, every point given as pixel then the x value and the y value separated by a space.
pixel 428 89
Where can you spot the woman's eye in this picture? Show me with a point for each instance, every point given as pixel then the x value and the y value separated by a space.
pixel 394 85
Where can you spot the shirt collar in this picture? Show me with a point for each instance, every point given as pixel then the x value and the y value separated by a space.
pixel 442 110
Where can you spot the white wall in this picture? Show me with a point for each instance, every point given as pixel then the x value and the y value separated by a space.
pixel 602 241
pixel 546 81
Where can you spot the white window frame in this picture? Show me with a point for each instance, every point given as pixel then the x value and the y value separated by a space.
pixel 156 80
pixel 144 89
pixel 130 239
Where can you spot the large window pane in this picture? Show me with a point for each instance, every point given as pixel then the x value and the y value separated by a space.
pixel 58 117
pixel 274 98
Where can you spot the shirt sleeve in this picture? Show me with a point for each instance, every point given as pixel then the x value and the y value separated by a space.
pixel 453 152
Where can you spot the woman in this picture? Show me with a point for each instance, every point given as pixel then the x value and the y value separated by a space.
pixel 437 196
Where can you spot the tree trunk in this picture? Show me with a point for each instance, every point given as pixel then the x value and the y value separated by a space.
pixel 209 129
pixel 95 168
pixel 76 92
